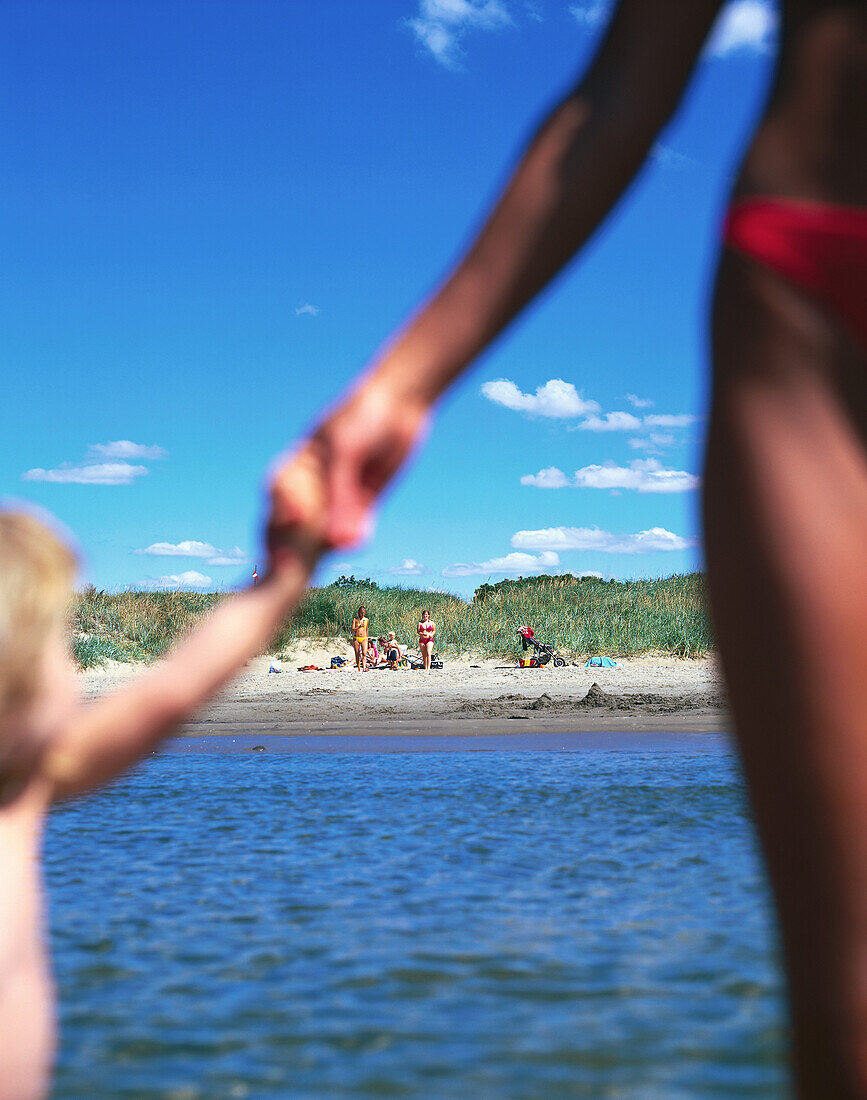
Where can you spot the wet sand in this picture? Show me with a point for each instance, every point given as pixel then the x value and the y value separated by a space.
pixel 467 699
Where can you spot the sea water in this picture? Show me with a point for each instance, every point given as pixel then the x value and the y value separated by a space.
pixel 439 924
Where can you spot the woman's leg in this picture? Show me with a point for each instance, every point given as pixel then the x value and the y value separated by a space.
pixel 425 654
pixel 786 537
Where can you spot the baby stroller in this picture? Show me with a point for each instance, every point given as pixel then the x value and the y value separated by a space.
pixel 414 660
pixel 542 653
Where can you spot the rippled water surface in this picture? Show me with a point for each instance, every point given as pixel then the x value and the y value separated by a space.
pixel 498 924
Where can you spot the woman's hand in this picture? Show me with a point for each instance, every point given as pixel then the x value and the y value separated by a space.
pixel 330 485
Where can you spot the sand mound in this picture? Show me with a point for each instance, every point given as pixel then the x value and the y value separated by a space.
pixel 504 706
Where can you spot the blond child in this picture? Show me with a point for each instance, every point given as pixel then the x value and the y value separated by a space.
pixel 52 746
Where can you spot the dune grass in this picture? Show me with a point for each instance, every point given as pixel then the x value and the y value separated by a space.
pixel 581 616
pixel 132 626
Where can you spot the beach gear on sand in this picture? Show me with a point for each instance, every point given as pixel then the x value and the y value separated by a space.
pixel 600 662
pixel 276 665
pixel 338 662
pixel 415 661
pixel 542 653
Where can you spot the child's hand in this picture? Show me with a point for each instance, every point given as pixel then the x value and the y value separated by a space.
pixel 330 486
pixel 296 525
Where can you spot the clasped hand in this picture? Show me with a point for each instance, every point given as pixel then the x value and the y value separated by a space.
pixel 326 490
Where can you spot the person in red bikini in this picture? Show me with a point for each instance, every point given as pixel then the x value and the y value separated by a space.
pixel 426 630
pixel 785 487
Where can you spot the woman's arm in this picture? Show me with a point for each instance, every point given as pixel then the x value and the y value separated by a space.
pixel 577 166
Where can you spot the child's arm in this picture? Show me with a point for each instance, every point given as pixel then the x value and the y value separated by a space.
pixel 113 733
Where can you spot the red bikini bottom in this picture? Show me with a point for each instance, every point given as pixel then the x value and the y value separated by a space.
pixel 821 247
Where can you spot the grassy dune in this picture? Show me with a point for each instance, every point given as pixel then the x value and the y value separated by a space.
pixel 582 616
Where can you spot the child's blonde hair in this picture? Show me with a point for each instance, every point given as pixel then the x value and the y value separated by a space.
pixel 36 574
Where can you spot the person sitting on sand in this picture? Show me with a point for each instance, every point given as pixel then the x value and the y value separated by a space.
pixel 372 653
pixel 426 633
pixel 52 747
pixel 359 638
pixel 392 650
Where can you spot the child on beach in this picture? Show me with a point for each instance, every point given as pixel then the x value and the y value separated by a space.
pixel 52 747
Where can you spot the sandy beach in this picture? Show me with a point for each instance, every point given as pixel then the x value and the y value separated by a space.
pixel 466 698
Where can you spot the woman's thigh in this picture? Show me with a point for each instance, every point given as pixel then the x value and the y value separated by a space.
pixel 785 503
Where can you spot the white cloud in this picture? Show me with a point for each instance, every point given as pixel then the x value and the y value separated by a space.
pixel 593 538
pixel 638 402
pixel 126 449
pixel 744 26
pixel 555 398
pixel 669 420
pixel 408 567
pixel 307 309
pixel 441 24
pixel 611 422
pixel 233 557
pixel 644 475
pixel 626 422
pixel 653 444
pixel 190 579
pixel 189 548
pixel 511 563
pixel 591 13
pixel 549 478
pixel 94 473
pixel 192 548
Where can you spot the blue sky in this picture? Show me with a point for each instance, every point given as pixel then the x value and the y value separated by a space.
pixel 215 212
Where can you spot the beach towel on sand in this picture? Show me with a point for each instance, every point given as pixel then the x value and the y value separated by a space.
pixel 600 662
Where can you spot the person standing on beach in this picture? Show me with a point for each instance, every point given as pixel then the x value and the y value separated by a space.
pixel 426 633
pixel 785 486
pixel 359 638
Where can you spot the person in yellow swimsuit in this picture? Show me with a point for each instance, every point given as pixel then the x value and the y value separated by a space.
pixel 359 638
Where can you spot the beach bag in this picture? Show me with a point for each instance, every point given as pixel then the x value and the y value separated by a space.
pixel 600 662
pixel 338 662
